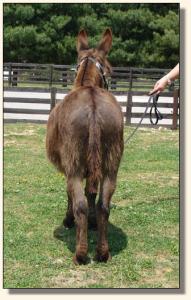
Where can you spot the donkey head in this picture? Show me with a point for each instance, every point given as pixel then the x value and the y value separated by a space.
pixel 97 56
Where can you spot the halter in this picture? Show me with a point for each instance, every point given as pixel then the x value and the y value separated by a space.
pixel 98 66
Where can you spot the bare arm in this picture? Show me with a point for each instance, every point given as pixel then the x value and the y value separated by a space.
pixel 162 83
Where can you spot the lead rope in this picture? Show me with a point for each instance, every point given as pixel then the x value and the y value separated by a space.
pixel 157 114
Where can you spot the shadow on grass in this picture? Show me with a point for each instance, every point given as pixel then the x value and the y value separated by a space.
pixel 116 237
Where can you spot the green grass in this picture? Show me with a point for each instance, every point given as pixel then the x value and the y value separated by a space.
pixel 144 218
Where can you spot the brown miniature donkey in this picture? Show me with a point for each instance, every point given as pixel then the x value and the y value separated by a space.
pixel 85 141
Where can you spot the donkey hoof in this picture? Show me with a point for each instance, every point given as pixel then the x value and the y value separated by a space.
pixel 104 257
pixel 68 222
pixel 80 260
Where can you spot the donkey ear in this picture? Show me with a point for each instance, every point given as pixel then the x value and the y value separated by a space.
pixel 106 41
pixel 82 41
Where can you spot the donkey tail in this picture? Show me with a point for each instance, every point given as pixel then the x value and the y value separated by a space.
pixel 94 155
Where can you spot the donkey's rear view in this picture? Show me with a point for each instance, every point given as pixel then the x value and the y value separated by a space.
pixel 85 141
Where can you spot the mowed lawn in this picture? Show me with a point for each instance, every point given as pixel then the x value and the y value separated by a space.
pixel 143 224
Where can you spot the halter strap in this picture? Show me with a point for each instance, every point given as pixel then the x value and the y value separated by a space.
pixel 99 67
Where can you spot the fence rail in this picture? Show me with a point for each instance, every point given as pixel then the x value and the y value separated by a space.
pixel 44 83
pixel 122 78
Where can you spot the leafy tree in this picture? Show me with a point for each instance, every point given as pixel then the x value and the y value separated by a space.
pixel 144 35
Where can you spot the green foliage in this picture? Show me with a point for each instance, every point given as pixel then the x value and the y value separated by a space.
pixel 144 35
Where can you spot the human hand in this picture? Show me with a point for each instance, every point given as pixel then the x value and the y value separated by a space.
pixel 159 85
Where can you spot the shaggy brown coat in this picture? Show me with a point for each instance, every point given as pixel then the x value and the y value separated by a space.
pixel 85 141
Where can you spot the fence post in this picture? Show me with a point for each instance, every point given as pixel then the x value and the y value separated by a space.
pixel 65 77
pixel 53 98
pixel 175 109
pixel 129 100
pixel 15 75
pixel 9 78
pixel 51 76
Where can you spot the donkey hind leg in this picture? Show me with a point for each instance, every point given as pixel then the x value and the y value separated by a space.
pixel 68 221
pixel 102 210
pixel 80 209
pixel 91 197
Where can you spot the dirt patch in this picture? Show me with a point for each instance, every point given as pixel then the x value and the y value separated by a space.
pixel 10 137
pixel 160 179
pixel 78 278
pixel 23 133
pixel 9 143
pixel 162 273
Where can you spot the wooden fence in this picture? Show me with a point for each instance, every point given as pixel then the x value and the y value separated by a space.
pixel 32 90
